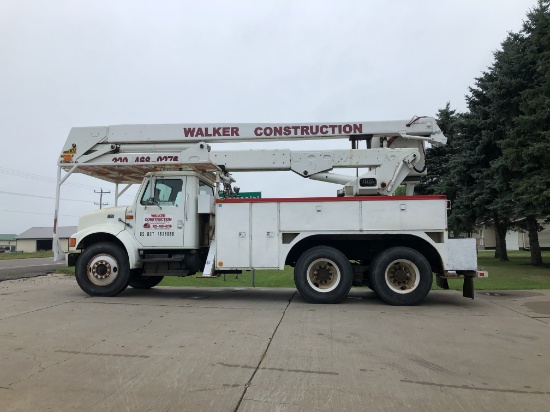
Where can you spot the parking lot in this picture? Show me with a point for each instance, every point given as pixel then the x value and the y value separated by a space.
pixel 227 349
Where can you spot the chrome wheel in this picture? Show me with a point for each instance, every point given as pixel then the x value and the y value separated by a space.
pixel 102 270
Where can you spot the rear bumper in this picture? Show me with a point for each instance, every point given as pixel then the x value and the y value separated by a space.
pixel 467 275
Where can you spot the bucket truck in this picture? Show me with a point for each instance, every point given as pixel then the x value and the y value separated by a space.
pixel 188 217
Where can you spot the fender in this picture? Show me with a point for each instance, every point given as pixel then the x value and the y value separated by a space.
pixel 439 248
pixel 103 233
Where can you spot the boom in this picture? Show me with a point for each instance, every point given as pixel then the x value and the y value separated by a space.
pixel 419 127
pixel 123 154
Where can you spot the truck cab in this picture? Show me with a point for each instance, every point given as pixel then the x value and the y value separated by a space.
pixel 166 231
pixel 166 211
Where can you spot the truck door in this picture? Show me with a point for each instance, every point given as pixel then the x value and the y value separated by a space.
pixel 160 213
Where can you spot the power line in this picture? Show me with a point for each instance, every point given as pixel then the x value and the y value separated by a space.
pixel 44 197
pixel 14 172
pixel 32 176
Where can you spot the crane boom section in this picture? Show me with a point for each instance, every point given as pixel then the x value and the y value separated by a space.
pixel 220 132
pixel 83 141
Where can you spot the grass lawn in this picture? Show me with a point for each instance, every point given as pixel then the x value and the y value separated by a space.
pixel 263 279
pixel 516 274
pixel 65 271
pixel 40 254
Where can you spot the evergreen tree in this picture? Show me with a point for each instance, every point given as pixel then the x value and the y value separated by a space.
pixel 496 166
pixel 437 157
pixel 447 174
pixel 474 176
pixel 483 179
pixel 459 180
pixel 526 149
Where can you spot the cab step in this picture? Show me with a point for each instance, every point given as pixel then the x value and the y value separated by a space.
pixel 218 273
pixel 214 276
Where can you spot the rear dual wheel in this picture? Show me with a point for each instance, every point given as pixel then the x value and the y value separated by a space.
pixel 401 276
pixel 323 274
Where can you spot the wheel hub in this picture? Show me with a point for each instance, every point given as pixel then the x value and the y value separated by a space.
pixel 323 275
pixel 402 276
pixel 102 270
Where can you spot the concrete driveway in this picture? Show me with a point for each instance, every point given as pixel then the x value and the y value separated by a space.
pixel 191 349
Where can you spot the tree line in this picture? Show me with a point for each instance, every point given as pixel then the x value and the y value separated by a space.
pixel 495 168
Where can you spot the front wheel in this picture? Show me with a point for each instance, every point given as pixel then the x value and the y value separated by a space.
pixel 103 270
pixel 323 275
pixel 401 276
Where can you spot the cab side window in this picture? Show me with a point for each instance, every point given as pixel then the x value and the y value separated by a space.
pixel 167 192
pixel 204 188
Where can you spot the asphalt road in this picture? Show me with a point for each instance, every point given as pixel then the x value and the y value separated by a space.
pixel 243 349
pixel 27 268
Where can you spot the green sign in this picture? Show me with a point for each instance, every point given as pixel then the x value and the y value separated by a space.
pixel 243 195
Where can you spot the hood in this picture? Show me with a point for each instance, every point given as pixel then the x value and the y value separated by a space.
pixel 108 216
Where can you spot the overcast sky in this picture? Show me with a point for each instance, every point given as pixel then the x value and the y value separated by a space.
pixel 68 63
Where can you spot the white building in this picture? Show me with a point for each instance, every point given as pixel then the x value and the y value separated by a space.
pixel 41 238
pixel 515 240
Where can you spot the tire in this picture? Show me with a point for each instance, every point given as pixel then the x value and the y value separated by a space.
pixel 103 269
pixel 370 283
pixel 145 282
pixel 401 276
pixel 371 287
pixel 323 275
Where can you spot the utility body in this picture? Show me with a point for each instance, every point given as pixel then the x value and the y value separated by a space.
pixel 188 218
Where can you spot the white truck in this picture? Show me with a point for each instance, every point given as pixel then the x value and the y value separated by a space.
pixel 188 218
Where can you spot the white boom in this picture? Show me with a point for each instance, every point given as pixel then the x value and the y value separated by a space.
pixel 424 128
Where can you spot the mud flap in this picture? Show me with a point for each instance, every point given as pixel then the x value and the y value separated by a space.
pixel 468 288
pixel 441 282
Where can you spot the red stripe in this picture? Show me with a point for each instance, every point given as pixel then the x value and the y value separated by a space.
pixel 331 199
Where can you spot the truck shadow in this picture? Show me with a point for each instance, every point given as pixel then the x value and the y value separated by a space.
pixel 357 296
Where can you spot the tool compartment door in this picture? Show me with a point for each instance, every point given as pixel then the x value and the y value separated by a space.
pixel 233 235
pixel 265 235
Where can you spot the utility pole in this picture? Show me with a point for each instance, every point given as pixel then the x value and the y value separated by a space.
pixel 101 204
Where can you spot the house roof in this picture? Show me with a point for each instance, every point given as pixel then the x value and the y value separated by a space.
pixel 7 236
pixel 47 232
